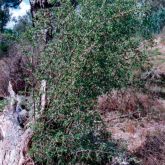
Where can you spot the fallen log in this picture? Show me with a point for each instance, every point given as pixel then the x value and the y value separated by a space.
pixel 14 139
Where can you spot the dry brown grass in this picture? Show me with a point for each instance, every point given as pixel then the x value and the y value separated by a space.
pixel 13 68
pixel 127 102
pixel 4 77
pixel 153 152
pixel 132 117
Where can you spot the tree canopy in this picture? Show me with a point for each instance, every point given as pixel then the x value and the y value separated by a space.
pixel 4 11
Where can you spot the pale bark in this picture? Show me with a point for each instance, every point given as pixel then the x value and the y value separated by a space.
pixel 15 140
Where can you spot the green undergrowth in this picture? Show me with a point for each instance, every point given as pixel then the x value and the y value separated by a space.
pixel 2 105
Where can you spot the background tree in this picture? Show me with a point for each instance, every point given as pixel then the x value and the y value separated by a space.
pixel 155 19
pixel 4 11
pixel 4 17
pixel 23 23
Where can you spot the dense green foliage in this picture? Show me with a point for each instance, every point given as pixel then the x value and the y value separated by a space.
pixel 93 50
pixel 7 39
pixel 4 17
pixel 158 20
pixel 155 19
pixel 3 47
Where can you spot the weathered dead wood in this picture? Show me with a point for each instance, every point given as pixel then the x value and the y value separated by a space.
pixel 43 96
pixel 14 140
